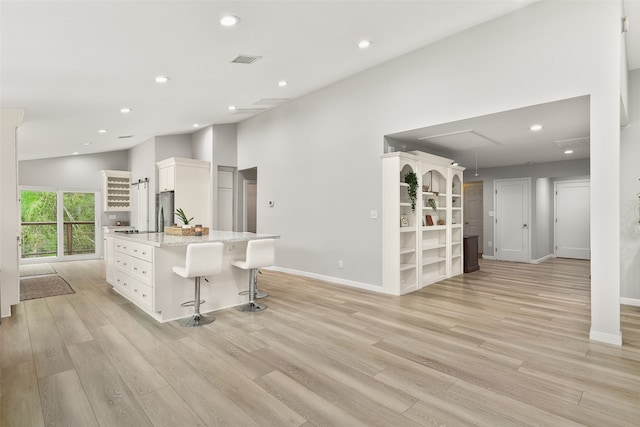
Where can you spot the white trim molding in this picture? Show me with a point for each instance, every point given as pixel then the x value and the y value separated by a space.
pixel 330 279
pixel 543 259
pixel 630 301
pixel 488 256
pixel 606 338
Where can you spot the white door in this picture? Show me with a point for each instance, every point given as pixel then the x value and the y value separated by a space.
pixel 473 221
pixel 572 234
pixel 512 219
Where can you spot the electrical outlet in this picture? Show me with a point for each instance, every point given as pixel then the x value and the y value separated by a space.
pixel 230 248
pixel 489 243
pixel 340 264
pixel 374 214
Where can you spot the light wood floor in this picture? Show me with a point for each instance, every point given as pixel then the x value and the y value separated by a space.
pixel 507 345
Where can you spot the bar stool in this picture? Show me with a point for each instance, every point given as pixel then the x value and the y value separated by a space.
pixel 203 259
pixel 260 253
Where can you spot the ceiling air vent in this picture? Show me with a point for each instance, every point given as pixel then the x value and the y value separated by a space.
pixel 573 142
pixel 125 136
pixel 248 110
pixel 271 101
pixel 245 59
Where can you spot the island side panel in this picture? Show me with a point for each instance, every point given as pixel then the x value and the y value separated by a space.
pixel 222 290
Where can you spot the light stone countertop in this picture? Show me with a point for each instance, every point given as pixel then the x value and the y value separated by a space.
pixel 162 239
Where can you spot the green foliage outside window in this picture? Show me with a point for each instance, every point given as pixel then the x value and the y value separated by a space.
pixel 39 223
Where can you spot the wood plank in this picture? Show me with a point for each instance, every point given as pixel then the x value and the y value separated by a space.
pixel 112 401
pixel 49 351
pixel 20 401
pixel 207 401
pixel 165 408
pixel 71 328
pixel 253 399
pixel 135 370
pixel 306 403
pixel 64 402
pixel 15 345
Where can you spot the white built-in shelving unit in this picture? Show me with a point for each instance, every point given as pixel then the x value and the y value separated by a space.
pixel 116 190
pixel 415 253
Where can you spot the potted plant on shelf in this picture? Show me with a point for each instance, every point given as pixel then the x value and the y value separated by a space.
pixel 183 217
pixel 412 179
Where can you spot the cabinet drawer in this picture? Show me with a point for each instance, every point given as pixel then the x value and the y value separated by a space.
pixel 121 246
pixel 143 294
pixel 122 262
pixel 142 270
pixel 144 252
pixel 124 283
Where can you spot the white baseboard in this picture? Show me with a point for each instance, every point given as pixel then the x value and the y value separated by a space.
pixel 488 256
pixel 606 338
pixel 330 279
pixel 543 259
pixel 630 301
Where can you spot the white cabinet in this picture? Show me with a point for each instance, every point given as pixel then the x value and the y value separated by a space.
pixel 132 268
pixel 422 242
pixel 116 190
pixel 190 180
pixel 167 178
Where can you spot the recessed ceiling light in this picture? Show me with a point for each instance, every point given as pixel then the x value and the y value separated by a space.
pixel 196 125
pixel 162 79
pixel 568 151
pixel 75 153
pixel 125 110
pixel 87 143
pixel 229 21
pixel 535 127
pixel 364 44
pixel 103 131
pixel 283 83
pixel 232 107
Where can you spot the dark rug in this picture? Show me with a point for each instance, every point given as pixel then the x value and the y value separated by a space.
pixel 44 286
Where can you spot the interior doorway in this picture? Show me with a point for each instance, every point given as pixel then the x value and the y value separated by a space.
pixel 473 212
pixel 250 204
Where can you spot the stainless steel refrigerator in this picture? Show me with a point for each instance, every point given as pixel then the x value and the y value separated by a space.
pixel 165 210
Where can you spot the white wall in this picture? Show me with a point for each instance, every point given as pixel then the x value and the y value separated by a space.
pixel 629 197
pixel 216 144
pixel 319 156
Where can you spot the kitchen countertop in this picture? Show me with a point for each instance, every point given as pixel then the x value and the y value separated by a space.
pixel 163 239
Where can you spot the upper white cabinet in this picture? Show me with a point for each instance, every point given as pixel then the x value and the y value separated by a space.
pixel 116 190
pixel 422 238
pixel 167 178
pixel 190 180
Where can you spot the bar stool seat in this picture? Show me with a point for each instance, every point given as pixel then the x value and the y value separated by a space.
pixel 203 259
pixel 260 253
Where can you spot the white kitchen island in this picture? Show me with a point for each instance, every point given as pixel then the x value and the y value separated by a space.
pixel 139 266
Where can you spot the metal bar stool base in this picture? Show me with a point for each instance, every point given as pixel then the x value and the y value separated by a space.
pixel 197 320
pixel 251 306
pixel 261 294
